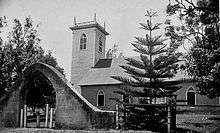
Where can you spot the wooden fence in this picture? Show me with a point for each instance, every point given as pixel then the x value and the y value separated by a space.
pixel 30 120
pixel 133 116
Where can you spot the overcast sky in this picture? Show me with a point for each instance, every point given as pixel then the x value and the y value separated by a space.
pixel 122 19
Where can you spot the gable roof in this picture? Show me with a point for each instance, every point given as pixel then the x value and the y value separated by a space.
pixel 101 73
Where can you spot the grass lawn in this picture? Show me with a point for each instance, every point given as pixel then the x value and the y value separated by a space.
pixel 199 122
pixel 43 130
pixel 199 118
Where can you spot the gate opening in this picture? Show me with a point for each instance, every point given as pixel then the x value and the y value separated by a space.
pixel 39 101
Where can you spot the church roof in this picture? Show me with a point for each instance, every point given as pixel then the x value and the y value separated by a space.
pixel 101 73
pixel 103 63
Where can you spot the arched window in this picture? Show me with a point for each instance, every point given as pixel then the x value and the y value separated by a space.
pixel 191 96
pixel 101 98
pixel 100 44
pixel 83 42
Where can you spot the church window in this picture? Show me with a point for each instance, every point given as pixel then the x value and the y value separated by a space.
pixel 100 44
pixel 191 96
pixel 101 98
pixel 83 42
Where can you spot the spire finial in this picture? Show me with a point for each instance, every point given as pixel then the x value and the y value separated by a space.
pixel 95 17
pixel 74 21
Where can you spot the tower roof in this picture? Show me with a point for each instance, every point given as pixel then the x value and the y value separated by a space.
pixel 89 24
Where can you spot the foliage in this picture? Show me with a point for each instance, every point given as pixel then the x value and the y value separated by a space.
pixel 200 27
pixel 50 60
pixel 114 52
pixel 150 75
pixel 151 118
pixel 39 92
pixel 21 50
pixel 157 63
pixel 2 61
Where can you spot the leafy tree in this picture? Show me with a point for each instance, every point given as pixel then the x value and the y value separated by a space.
pixel 157 64
pixel 3 82
pixel 21 50
pixel 200 27
pixel 50 60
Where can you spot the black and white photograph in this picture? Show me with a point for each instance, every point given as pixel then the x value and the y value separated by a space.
pixel 109 66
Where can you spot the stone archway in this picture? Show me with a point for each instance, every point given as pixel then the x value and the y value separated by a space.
pixel 72 110
pixel 37 101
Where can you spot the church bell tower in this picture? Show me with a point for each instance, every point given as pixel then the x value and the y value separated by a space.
pixel 88 46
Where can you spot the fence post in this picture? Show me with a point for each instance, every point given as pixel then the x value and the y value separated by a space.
pixel 47 110
pixel 38 119
pixel 21 118
pixel 125 117
pixel 174 112
pixel 51 118
pixel 117 114
pixel 25 115
pixel 168 119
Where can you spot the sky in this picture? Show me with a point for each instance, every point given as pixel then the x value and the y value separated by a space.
pixel 122 18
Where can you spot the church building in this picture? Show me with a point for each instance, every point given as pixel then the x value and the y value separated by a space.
pixel 91 71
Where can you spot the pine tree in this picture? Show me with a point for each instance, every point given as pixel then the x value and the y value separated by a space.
pixel 157 65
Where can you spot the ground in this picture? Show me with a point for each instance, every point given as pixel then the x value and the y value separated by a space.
pixel 200 119
pixel 37 130
pixel 200 123
pixel 191 121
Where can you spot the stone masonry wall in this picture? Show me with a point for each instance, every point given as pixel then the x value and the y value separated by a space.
pixel 72 110
pixel 9 111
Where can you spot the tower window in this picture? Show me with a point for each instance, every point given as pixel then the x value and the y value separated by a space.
pixel 101 98
pixel 83 42
pixel 100 44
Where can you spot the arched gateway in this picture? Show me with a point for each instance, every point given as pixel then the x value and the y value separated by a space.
pixel 72 110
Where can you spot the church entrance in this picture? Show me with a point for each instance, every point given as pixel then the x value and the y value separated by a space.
pixel 39 101
pixel 191 96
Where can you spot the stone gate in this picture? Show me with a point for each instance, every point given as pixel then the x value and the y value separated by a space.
pixel 72 110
